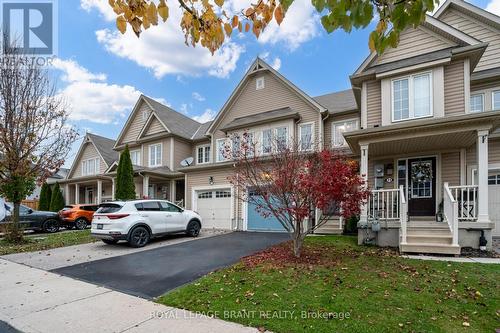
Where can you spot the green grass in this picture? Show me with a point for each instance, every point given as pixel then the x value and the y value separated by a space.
pixel 40 242
pixel 380 291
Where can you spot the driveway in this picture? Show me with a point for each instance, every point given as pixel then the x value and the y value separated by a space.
pixel 153 272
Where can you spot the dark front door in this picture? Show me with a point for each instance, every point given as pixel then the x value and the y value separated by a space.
pixel 179 190
pixel 422 186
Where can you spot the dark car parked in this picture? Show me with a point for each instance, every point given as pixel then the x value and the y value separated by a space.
pixel 33 219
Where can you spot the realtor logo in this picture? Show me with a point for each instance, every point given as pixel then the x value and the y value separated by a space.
pixel 29 26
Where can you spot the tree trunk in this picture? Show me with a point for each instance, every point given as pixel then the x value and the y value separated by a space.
pixel 15 233
pixel 297 245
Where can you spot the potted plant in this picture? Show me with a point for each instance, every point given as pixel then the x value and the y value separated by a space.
pixel 439 213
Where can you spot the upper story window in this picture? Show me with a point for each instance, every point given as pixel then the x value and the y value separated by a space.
pixel 495 100
pixel 305 135
pixel 267 137
pixel 338 130
pixel 221 145
pixel 203 154
pixel 259 83
pixel 412 97
pixel 235 145
pixel 282 138
pixel 135 157
pixel 155 155
pixel 90 167
pixel 477 103
pixel 145 115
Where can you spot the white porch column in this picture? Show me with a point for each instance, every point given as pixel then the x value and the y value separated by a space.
pixel 363 170
pixel 113 188
pixel 172 191
pixel 145 186
pixel 77 193
pixel 482 175
pixel 99 192
pixel 66 194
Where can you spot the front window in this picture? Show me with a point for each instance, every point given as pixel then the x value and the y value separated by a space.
pixel 135 157
pixel 495 102
pixel 236 146
pixel 203 153
pixel 220 150
pixel 411 97
pixel 250 144
pixel 90 167
pixel 267 136
pixel 340 128
pixel 281 138
pixel 477 103
pixel 155 155
pixel 306 131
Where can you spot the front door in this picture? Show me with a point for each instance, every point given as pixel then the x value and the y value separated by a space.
pixel 421 178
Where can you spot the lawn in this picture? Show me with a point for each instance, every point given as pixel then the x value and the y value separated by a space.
pixel 40 242
pixel 339 286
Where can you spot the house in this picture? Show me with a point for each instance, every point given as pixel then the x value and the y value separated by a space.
pixel 57 176
pixel 421 119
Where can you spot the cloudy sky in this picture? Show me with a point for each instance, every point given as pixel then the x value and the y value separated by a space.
pixel 101 73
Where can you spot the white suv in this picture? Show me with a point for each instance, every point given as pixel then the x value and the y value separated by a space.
pixel 137 221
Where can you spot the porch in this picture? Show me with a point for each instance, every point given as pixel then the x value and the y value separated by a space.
pixel 423 199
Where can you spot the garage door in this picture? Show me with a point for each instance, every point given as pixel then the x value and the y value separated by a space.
pixel 494 200
pixel 214 206
pixel 257 222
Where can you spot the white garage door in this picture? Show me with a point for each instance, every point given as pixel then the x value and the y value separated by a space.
pixel 494 200
pixel 214 206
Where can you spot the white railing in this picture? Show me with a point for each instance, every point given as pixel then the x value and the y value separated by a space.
pixel 466 197
pixel 450 211
pixel 384 204
pixel 404 214
pixel 180 203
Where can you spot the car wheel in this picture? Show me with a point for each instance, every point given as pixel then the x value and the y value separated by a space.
pixel 139 237
pixel 193 229
pixel 81 223
pixel 110 241
pixel 50 226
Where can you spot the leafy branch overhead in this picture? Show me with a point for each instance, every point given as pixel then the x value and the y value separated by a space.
pixel 205 22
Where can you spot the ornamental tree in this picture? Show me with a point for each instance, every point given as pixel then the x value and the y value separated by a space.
pixel 45 197
pixel 209 23
pixel 57 199
pixel 291 183
pixel 125 188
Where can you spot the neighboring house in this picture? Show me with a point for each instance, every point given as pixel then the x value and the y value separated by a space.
pixel 421 118
pixel 60 175
pixel 429 114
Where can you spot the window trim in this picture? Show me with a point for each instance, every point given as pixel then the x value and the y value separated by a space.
pixel 97 166
pixel 312 135
pixel 262 143
pixel 161 154
pixel 224 159
pixel 145 115
pixel 204 153
pixel 138 151
pixel 493 100
pixel 355 120
pixel 482 102
pixel 411 109
pixel 260 79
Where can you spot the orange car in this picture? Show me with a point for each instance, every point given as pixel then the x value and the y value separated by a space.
pixel 77 216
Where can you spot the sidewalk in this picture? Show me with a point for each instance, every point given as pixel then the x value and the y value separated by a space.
pixel 455 259
pixel 33 300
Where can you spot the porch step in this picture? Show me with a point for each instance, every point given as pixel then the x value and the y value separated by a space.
pixel 429 239
pixel 330 227
pixel 430 248
pixel 426 231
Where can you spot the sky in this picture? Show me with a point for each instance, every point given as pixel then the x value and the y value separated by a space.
pixel 101 73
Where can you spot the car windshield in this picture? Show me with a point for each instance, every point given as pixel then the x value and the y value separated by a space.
pixel 107 208
pixel 67 207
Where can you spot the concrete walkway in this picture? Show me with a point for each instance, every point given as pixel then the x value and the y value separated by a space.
pixel 455 259
pixel 33 300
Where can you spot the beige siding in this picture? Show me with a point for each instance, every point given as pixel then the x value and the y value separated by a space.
pixel 182 150
pixel 374 103
pixel 480 31
pixel 199 179
pixel 88 152
pixel 450 168
pixel 493 152
pixel 165 155
pixel 136 124
pixel 275 95
pixel 154 127
pixel 454 96
pixel 414 42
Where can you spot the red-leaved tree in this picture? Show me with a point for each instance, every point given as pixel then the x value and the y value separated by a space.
pixel 290 182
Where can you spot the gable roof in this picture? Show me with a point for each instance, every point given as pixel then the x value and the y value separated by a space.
pixel 104 147
pixel 200 133
pixel 260 118
pixel 339 101
pixel 470 9
pixel 435 25
pixel 260 65
pixel 147 124
pixel 177 123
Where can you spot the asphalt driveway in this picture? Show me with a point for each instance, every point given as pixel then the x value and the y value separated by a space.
pixel 153 272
